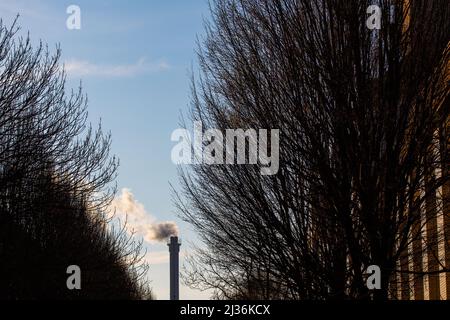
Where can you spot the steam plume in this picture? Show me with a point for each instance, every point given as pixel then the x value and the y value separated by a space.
pixel 139 221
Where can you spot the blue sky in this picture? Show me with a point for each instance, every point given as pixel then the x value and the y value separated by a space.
pixel 134 59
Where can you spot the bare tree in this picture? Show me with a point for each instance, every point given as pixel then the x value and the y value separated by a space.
pixel 359 112
pixel 56 182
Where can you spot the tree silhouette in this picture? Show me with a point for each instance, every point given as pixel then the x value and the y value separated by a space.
pixel 363 116
pixel 55 187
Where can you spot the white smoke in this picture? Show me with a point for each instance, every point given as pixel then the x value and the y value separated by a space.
pixel 138 221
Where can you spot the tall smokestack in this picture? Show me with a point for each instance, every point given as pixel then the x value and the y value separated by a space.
pixel 174 249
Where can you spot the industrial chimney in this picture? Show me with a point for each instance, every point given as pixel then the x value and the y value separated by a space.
pixel 174 249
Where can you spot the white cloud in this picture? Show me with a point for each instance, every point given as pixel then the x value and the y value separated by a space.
pixel 80 68
pixel 138 221
pixel 157 257
pixel 160 257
